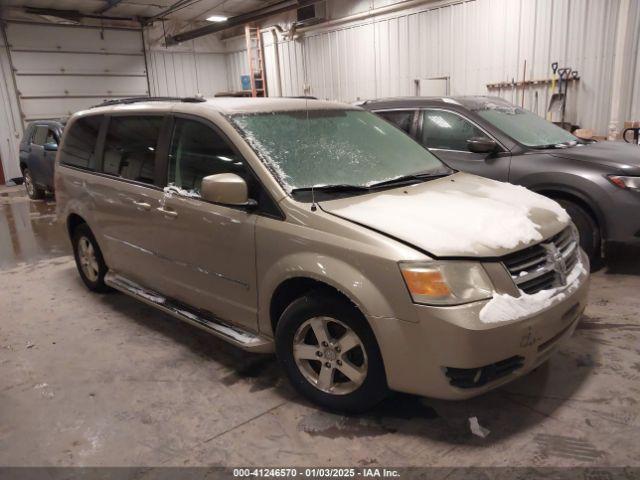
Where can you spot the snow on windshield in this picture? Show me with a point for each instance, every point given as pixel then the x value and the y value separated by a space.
pixel 329 147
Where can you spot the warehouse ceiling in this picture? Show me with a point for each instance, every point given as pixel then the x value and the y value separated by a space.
pixel 184 10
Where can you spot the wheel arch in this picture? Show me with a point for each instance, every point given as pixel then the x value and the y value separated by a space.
pixel 295 287
pixel 579 198
pixel 283 283
pixel 73 220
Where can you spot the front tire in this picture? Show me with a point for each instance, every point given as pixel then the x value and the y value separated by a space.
pixel 330 354
pixel 89 259
pixel 34 192
pixel 590 239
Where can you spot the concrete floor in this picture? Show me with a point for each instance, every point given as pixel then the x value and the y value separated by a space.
pixel 99 380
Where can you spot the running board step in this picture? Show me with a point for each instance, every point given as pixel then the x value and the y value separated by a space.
pixel 232 334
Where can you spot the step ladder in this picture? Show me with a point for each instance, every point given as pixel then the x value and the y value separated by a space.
pixel 255 58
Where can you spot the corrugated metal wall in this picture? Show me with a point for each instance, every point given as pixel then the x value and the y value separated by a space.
pixel 186 73
pixel 474 42
pixel 236 64
pixel 631 91
pixel 10 122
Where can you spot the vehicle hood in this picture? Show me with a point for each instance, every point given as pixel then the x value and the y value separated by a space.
pixel 619 155
pixel 460 215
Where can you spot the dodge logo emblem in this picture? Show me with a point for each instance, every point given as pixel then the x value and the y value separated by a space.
pixel 555 258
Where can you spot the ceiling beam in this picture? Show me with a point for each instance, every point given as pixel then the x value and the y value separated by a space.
pixel 238 20
pixel 110 4
pixel 71 15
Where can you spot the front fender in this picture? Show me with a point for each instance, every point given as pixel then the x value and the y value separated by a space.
pixel 587 190
pixel 359 289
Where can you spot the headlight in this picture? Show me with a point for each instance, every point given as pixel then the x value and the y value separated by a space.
pixel 446 282
pixel 632 183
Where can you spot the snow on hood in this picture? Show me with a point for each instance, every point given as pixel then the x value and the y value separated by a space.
pixel 458 215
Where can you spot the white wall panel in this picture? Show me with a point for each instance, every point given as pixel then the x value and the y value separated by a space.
pixel 236 63
pixel 60 69
pixel 29 62
pixel 10 122
pixel 180 74
pixel 474 42
pixel 27 36
pixel 64 85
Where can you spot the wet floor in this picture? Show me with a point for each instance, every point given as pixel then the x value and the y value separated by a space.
pixel 28 229
pixel 90 379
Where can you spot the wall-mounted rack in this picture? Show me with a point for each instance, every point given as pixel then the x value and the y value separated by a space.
pixel 527 83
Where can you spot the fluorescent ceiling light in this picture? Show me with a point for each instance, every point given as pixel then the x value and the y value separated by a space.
pixel 217 18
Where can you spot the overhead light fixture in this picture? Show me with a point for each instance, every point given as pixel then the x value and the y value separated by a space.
pixel 217 18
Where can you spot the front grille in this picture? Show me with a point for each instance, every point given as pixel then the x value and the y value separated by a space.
pixel 544 265
pixel 477 377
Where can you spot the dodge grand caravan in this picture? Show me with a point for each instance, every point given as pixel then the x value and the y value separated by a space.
pixel 323 233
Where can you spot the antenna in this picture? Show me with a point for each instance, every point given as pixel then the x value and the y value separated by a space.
pixel 313 193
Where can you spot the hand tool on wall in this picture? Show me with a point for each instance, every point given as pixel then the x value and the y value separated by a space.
pixel 554 69
pixel 564 74
pixel 524 79
pixel 555 103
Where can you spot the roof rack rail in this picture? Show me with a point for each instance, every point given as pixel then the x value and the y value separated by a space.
pixel 129 100
pixel 303 97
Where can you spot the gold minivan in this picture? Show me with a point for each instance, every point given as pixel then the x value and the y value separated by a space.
pixel 321 232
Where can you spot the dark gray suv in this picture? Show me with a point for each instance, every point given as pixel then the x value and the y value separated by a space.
pixel 37 155
pixel 598 183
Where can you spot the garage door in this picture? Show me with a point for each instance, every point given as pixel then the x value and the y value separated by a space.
pixel 60 69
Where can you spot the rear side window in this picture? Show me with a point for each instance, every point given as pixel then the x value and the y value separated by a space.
pixel 51 137
pixel 130 147
pixel 401 119
pixel 79 148
pixel 196 152
pixel 40 135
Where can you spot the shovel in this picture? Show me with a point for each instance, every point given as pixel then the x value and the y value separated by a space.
pixel 557 98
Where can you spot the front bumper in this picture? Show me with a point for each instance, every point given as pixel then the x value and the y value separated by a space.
pixel 423 357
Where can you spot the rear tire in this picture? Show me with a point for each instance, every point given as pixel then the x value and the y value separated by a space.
pixel 590 239
pixel 344 372
pixel 89 259
pixel 34 192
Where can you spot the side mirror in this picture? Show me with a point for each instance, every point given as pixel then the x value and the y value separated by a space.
pixel 51 146
pixel 225 188
pixel 481 145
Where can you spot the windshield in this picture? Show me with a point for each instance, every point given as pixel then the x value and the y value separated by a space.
pixel 334 147
pixel 525 127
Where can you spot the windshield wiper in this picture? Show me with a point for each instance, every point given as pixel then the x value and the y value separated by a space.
pixel 414 177
pixel 340 187
pixel 556 145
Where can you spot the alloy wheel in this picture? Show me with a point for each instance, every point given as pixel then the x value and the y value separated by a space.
pixel 88 260
pixel 28 183
pixel 330 355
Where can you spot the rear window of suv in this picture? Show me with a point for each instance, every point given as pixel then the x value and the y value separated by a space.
pixel 79 148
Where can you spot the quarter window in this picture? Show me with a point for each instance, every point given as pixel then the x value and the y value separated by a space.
pixel 196 152
pixel 79 148
pixel 447 131
pixel 401 119
pixel 130 147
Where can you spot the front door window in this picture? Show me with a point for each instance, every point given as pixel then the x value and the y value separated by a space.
pixel 447 131
pixel 198 151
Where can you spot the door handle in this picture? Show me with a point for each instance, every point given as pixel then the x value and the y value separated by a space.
pixel 167 213
pixel 142 205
